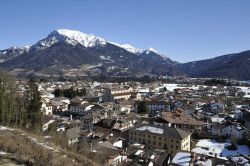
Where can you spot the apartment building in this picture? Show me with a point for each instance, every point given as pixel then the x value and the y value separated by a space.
pixel 166 138
pixel 121 93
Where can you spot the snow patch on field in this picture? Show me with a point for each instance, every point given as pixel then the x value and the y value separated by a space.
pixel 182 158
pixel 213 148
pixel 2 153
pixel 5 128
pixel 172 87
pixel 34 140
pixel 47 136
pixel 105 57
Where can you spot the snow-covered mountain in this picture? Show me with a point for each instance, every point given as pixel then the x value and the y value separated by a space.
pixel 73 53
pixel 12 52
pixel 138 51
pixel 129 48
pixel 63 50
pixel 76 37
pixel 70 37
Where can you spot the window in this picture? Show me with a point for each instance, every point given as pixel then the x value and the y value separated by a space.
pixel 159 144
pixel 159 138
pixel 165 146
pixel 177 141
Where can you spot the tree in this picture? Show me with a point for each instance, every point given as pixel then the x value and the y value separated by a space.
pixel 12 110
pixel 142 108
pixel 33 106
pixel 7 98
pixel 70 93
pixel 58 92
pixel 83 92
pixel 16 109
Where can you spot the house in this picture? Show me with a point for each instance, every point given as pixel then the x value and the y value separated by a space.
pixel 59 105
pixel 157 105
pixel 223 127
pixel 77 108
pixel 153 106
pixel 117 126
pixel 125 106
pixel 47 109
pixel 91 117
pixel 179 119
pixel 106 95
pixel 139 155
pixel 105 125
pixel 217 107
pixel 63 100
pixel 111 156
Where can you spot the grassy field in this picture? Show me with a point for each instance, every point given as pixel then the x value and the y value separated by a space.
pixel 38 150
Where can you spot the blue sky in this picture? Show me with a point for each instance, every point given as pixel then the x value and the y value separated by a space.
pixel 185 30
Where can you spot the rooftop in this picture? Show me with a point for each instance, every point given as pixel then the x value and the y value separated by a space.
pixel 178 117
pixel 169 132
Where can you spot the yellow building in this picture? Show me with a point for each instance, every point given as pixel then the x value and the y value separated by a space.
pixel 158 137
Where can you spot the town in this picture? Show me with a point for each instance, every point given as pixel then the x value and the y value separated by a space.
pixel 154 124
pixel 124 83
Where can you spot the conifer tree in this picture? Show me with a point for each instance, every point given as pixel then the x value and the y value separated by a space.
pixel 33 106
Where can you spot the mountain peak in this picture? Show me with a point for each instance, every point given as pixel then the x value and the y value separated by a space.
pixel 87 40
pixel 128 47
pixel 147 51
pixel 152 50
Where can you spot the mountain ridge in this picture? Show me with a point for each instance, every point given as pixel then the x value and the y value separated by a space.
pixel 234 66
pixel 64 51
pixel 76 50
